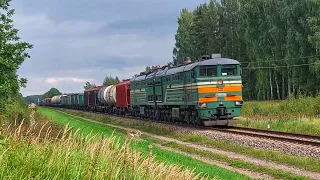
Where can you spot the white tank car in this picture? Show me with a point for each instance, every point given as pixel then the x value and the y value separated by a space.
pixel 107 95
pixel 101 96
pixel 56 99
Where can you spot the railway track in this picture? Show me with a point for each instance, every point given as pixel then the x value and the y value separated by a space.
pixel 275 135
pixel 294 138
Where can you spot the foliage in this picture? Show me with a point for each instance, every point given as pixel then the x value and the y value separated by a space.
pixel 49 94
pixel 307 163
pixel 165 156
pixel 108 80
pixel 12 55
pixel 89 86
pixel 52 92
pixel 300 115
pixel 33 98
pixel 73 156
pixel 16 109
pixel 268 37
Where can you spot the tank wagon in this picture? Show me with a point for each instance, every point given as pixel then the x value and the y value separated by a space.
pixel 107 99
pixel 206 92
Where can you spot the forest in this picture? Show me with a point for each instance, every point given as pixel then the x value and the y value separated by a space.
pixel 276 42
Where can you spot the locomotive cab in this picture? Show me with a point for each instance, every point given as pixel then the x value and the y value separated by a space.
pixel 219 86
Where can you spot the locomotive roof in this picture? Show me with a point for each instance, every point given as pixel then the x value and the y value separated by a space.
pixel 216 61
pixel 183 68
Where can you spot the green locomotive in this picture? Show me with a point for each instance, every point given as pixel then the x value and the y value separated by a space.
pixel 207 92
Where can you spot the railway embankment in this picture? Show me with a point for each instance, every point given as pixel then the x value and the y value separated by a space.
pixel 269 163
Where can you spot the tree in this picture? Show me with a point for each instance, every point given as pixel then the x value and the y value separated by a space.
pixel 269 38
pixel 148 68
pixel 108 80
pixel 89 86
pixel 12 55
pixel 52 92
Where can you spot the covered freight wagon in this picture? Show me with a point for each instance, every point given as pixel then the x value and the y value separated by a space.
pixel 81 99
pixel 64 100
pixel 47 101
pixel 91 97
pixel 123 97
pixel 123 94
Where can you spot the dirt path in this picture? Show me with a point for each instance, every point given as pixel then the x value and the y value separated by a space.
pixel 231 155
pixel 250 174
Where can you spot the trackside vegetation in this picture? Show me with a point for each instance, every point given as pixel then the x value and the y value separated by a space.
pixel 306 163
pixel 300 115
pixel 166 157
pixel 70 155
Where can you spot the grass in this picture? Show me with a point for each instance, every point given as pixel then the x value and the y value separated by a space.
pixel 293 115
pixel 236 162
pixel 307 163
pixel 161 155
pixel 23 155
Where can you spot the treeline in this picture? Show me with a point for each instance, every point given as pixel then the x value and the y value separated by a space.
pixel 49 94
pixel 108 80
pixel 277 43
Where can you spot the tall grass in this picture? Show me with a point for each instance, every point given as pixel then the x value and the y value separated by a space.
pixel 299 115
pixel 29 153
pixel 293 107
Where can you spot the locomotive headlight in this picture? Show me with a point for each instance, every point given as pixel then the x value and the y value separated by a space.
pixel 203 105
pixel 220 82
pixel 238 103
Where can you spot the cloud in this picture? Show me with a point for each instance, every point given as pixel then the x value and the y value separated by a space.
pixel 67 79
pixel 78 40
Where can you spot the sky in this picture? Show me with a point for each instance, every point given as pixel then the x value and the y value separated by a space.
pixel 84 40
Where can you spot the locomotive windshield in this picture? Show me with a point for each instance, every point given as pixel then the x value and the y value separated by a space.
pixel 208 71
pixel 229 70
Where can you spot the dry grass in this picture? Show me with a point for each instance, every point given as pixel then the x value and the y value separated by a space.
pixel 34 152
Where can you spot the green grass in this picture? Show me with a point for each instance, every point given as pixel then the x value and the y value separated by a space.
pixel 236 162
pixel 307 163
pixel 161 155
pixel 293 115
pixel 73 156
pixel 302 106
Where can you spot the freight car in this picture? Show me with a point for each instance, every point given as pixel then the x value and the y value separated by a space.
pixel 207 92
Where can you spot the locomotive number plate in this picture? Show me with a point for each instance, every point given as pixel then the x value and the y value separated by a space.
pixel 221 94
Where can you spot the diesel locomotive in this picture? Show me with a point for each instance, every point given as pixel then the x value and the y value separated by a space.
pixel 206 92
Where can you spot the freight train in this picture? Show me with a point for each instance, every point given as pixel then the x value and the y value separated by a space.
pixel 206 92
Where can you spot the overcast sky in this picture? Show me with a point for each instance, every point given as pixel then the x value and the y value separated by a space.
pixel 85 40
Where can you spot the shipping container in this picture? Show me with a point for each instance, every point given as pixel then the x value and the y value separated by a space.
pixel 123 94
